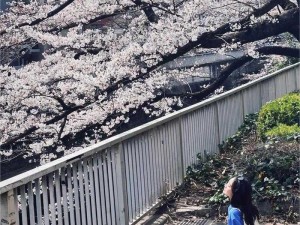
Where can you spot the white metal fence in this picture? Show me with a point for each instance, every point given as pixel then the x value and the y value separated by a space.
pixel 121 178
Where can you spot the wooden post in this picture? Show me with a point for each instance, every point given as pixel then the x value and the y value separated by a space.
pixel 8 209
pixel 121 187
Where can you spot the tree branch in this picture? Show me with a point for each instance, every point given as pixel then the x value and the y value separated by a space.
pixel 295 31
pixel 258 31
pixel 257 13
pixel 287 5
pixel 95 19
pixel 269 50
pixel 32 129
pixel 92 51
pixel 278 50
pixel 63 124
pixel 39 20
pixel 202 94
pixel 152 17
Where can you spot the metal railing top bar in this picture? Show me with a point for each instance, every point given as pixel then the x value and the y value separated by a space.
pixel 40 171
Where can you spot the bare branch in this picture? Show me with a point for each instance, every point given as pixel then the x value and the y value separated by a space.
pixel 63 124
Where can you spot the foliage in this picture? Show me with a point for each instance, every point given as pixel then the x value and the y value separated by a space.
pixel 284 131
pixel 274 171
pixel 284 110
pixel 273 168
pixel 207 172
pixel 202 171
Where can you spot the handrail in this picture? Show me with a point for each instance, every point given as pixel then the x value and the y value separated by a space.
pixel 40 171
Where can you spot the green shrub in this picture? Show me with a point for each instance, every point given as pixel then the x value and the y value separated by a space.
pixel 283 130
pixel 284 110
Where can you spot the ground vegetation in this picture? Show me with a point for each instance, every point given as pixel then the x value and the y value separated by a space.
pixel 270 164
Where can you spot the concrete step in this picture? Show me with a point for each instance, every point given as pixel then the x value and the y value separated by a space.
pixel 199 211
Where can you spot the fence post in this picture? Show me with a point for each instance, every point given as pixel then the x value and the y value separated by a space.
pixel 8 211
pixel 3 209
pixel 217 123
pixel 121 187
pixel 242 93
pixel 181 163
pixel 260 95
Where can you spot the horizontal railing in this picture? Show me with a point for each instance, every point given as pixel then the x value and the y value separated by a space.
pixel 118 180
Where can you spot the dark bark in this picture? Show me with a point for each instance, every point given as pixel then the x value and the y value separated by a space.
pixel 295 31
pixel 256 32
pixel 70 138
pixel 92 51
pixel 287 5
pixel 262 30
pixel 278 50
pixel 151 16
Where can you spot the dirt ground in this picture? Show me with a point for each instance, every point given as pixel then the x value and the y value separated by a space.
pixel 195 196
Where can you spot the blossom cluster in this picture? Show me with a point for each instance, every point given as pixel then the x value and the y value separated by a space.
pixel 62 94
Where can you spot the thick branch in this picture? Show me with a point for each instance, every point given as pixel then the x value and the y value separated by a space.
pixel 152 17
pixel 287 5
pixel 62 103
pixel 277 50
pixel 63 124
pixel 95 19
pixel 257 13
pixel 92 51
pixel 295 31
pixel 268 50
pixel 199 95
pixel 218 82
pixel 256 32
pixel 39 20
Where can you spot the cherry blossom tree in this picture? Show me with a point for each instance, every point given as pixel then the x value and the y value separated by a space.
pixel 93 79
